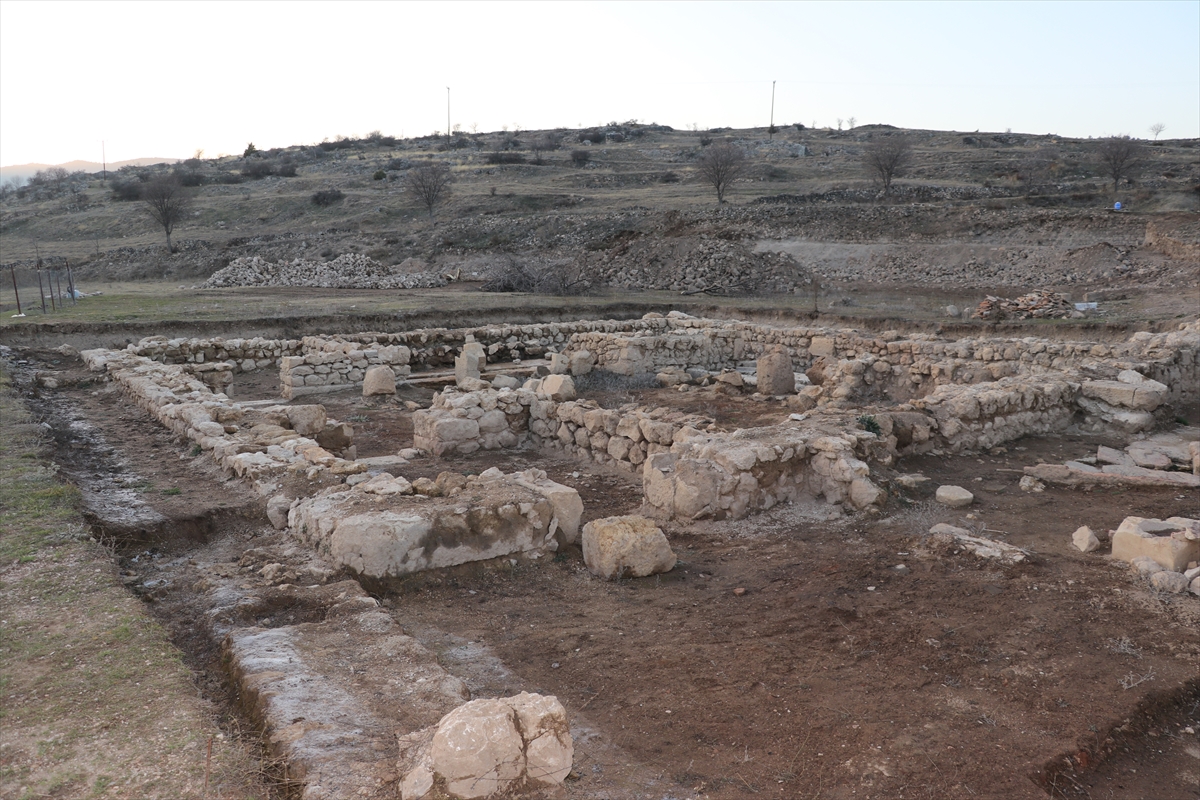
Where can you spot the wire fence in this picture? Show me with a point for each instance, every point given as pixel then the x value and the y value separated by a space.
pixel 25 291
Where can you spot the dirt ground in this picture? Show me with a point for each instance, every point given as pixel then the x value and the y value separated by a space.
pixel 860 661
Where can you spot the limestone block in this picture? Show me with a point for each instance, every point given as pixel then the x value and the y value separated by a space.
pixel 277 511
pixel 455 429
pixel 469 363
pixel 1144 396
pixel 618 447
pixel 1085 540
pixel 1171 582
pixel 863 493
pixel 633 545
pixel 1110 455
pixel 336 438
pixel 559 364
pixel 493 421
pixel 379 380
pixel 1165 542
pixel 731 378
pixel 565 501
pixel 821 346
pixel 628 427
pixel 582 362
pixel 505 382
pixel 1150 459
pixel 488 748
pixel 306 420
pixel 657 432
pixel 954 496
pixel 559 387
pixel 775 374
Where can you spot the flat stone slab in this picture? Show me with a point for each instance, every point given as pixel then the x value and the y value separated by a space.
pixel 1112 475
pixel 379 529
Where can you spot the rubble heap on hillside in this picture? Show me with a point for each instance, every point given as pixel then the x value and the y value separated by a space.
pixel 347 271
pixel 1035 305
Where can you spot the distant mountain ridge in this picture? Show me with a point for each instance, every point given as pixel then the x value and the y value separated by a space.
pixel 26 171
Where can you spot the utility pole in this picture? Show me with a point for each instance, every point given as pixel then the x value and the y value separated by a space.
pixel 771 129
pixel 447 116
pixel 103 163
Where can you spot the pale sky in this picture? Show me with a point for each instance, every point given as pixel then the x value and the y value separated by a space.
pixel 168 78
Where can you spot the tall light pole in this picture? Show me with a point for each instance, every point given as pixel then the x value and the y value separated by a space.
pixel 771 129
pixel 447 115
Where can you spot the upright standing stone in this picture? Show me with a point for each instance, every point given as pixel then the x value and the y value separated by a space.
pixel 470 363
pixel 775 375
pixel 379 380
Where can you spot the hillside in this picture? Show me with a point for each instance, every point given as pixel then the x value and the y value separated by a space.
pixel 632 212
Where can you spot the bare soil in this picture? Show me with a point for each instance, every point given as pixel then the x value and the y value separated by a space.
pixel 834 674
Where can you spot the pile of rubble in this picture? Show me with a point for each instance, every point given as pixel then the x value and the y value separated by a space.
pixel 1035 305
pixel 696 265
pixel 347 271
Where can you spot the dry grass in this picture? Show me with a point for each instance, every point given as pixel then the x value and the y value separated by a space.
pixel 96 700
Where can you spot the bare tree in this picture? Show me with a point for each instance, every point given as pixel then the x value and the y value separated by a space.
pixel 430 183
pixel 887 159
pixel 1035 168
pixel 852 122
pixel 1156 129
pixel 721 165
pixel 1119 158
pixel 167 202
pixel 549 141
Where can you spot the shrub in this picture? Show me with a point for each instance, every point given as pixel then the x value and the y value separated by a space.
pixel 127 190
pixel 580 157
pixel 669 177
pixel 257 168
pixel 524 276
pixel 505 158
pixel 380 174
pixel 327 197
pixel 705 141
pixel 250 150
pixel 190 177
pixel 869 424
pixel 287 169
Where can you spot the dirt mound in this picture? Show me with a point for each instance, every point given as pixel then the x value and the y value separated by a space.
pixel 347 271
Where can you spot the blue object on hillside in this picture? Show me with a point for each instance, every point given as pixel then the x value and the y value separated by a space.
pixel 1117 206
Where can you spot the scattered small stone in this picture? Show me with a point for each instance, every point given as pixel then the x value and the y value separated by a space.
pixel 1085 540
pixel 911 480
pixel 1031 484
pixel 954 496
pixel 739 592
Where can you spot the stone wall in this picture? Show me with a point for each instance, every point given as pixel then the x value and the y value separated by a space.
pixel 901 367
pixel 733 475
pixel 260 445
pixel 327 365
pixel 489 419
pixel 246 355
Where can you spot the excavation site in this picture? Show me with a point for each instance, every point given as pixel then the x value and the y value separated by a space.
pixel 581 485
pixel 661 556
